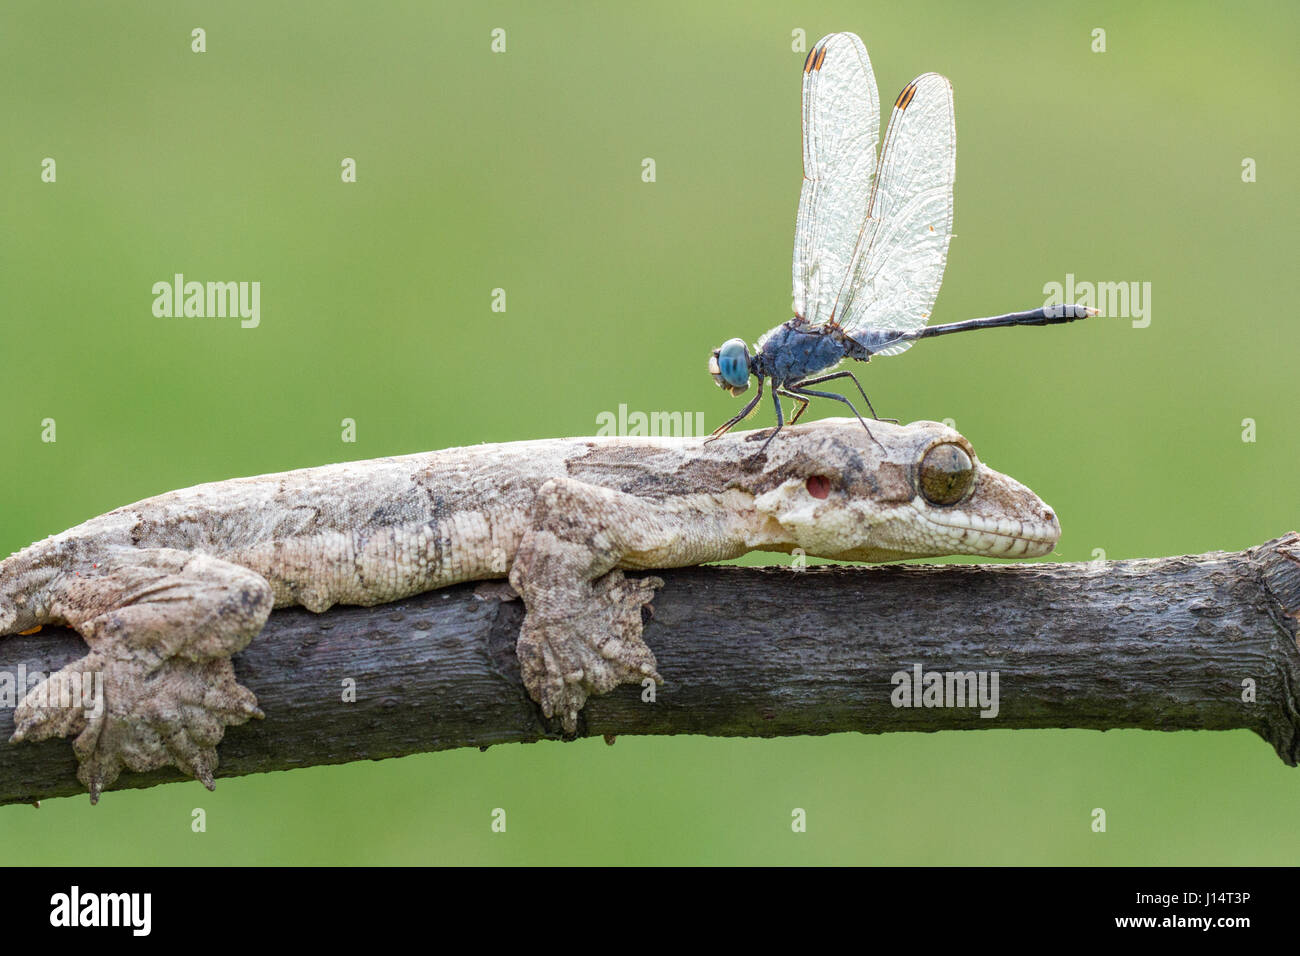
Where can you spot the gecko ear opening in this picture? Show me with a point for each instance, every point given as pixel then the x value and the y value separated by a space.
pixel 819 486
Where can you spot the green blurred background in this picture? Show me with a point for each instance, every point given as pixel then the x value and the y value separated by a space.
pixel 522 171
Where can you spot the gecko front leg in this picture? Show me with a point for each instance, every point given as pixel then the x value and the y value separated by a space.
pixel 582 632
pixel 162 625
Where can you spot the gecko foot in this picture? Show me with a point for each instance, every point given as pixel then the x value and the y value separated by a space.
pixel 127 715
pixel 589 649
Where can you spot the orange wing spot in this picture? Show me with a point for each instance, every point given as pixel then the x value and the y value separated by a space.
pixel 31 631
pixel 905 97
pixel 807 63
pixel 821 58
pixel 932 228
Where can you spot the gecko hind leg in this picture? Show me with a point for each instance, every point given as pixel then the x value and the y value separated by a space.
pixel 157 687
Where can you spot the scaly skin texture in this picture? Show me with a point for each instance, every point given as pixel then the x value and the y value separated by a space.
pixel 166 590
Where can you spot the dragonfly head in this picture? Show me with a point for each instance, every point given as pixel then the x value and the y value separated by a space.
pixel 729 366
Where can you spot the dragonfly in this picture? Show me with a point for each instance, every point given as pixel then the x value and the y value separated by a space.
pixel 870 242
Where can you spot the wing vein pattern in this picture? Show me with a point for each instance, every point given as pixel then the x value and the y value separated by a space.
pixel 898 264
pixel 841 130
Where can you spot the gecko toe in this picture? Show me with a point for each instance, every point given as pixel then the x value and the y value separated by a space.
pixel 591 647
pixel 58 705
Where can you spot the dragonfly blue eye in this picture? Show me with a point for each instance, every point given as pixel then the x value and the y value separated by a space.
pixel 730 366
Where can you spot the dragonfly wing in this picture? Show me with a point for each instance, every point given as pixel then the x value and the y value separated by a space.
pixel 899 261
pixel 841 128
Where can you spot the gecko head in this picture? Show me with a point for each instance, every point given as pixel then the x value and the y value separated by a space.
pixel 729 366
pixel 904 491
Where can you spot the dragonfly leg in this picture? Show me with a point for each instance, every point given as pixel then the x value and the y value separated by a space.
pixel 780 417
pixel 797 390
pixel 803 405
pixel 744 413
pixel 854 379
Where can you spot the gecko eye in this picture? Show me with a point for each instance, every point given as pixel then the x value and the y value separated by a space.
pixel 946 474
pixel 729 366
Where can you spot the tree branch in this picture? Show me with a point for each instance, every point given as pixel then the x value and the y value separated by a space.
pixel 1160 644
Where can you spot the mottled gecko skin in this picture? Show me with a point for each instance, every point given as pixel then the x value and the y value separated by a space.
pixel 166 590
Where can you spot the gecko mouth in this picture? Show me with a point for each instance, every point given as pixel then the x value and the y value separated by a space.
pixel 1001 537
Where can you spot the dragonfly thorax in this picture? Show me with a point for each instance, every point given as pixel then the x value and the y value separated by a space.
pixel 794 350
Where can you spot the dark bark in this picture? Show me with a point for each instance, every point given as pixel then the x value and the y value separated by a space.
pixel 1158 644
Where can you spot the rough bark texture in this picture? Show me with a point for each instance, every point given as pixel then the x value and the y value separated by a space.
pixel 1161 644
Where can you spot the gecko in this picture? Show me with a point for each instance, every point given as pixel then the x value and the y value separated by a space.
pixel 165 591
